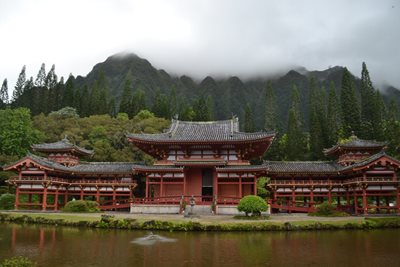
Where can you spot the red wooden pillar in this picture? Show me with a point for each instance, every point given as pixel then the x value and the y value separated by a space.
pixel 114 194
pixel 330 195
pixel 147 187
pixel 312 197
pixel 81 197
pixel 240 186
pixel 293 196
pixel 97 194
pixel 162 186
pixel 398 200
pixel 184 184
pixel 29 198
pixel 66 196
pixel 364 195
pixel 255 186
pixel 56 200
pixel 16 204
pixel 44 198
pixel 355 202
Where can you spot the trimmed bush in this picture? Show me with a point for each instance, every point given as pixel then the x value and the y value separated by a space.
pixel 17 262
pixel 253 205
pixel 81 206
pixel 7 201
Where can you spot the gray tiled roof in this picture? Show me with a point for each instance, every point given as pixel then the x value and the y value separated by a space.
pixel 92 167
pixel 63 145
pixel 369 160
pixel 355 142
pixel 302 167
pixel 212 131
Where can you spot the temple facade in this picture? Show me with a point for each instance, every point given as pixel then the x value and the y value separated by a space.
pixel 209 162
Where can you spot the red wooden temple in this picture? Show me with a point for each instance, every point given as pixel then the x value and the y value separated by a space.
pixel 210 161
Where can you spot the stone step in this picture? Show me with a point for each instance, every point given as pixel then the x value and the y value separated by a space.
pixel 199 210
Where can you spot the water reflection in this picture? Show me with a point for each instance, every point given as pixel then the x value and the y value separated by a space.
pixel 152 239
pixel 58 246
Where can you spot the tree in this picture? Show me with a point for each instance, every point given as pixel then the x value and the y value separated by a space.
pixel 41 76
pixel 350 105
pixel 333 117
pixel 296 145
pixel 68 96
pixel 253 205
pixel 271 109
pixel 161 106
pixel 138 102
pixel 16 131
pixel 126 98
pixel 202 109
pixel 248 119
pixel 4 94
pixel 51 78
pixel 317 116
pixel 19 86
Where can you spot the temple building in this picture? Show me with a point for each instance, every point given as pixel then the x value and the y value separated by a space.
pixel 210 163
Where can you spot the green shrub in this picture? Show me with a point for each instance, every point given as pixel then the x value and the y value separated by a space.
pixel 253 205
pixel 81 206
pixel 328 210
pixel 17 262
pixel 7 201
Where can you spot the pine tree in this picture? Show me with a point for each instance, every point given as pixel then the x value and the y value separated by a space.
pixel 317 115
pixel 68 96
pixel 85 102
pixel 271 109
pixel 126 98
pixel 378 117
pixel 248 119
pixel 350 106
pixel 138 102
pixel 4 94
pixel 41 76
pixel 369 113
pixel 295 146
pixel 103 105
pixel 173 102
pixel 112 108
pixel 19 86
pixel 51 78
pixel 202 109
pixel 333 117
pixel 161 106
pixel 95 101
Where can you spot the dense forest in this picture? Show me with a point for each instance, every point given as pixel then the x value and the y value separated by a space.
pixel 308 110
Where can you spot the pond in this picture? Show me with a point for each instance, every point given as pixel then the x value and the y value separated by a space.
pixel 63 246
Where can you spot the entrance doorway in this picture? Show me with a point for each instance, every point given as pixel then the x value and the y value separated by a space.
pixel 207 185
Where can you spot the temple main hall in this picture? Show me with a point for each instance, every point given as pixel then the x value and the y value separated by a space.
pixel 209 162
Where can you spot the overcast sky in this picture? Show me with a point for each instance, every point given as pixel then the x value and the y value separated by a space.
pixel 202 37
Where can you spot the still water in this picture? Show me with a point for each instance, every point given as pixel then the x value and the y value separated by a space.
pixel 56 246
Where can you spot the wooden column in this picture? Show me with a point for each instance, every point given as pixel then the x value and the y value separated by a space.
pixel 56 200
pixel 114 194
pixel 81 197
pixel 147 187
pixel 398 200
pixel 97 194
pixel 364 195
pixel 44 198
pixel 255 185
pixel 355 202
pixel 293 196
pixel 240 186
pixel 16 204
pixel 162 186
pixel 330 195
pixel 66 196
pixel 347 197
pixel 312 197
pixel 184 185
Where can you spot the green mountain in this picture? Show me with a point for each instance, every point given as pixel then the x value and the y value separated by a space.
pixel 229 96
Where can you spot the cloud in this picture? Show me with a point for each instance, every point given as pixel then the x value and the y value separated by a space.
pixel 200 38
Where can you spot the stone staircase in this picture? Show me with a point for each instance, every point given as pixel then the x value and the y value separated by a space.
pixel 199 210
